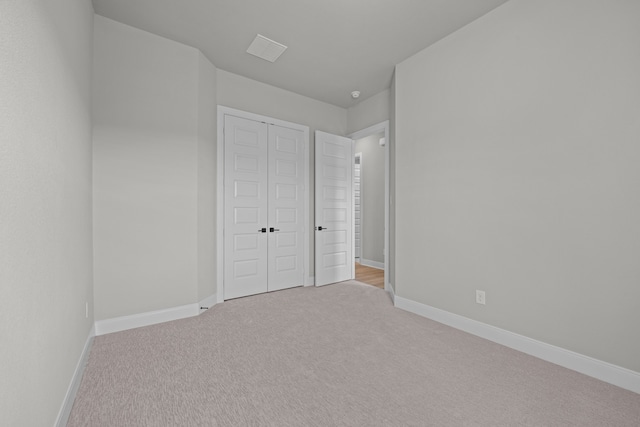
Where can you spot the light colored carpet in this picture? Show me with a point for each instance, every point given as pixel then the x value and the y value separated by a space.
pixel 340 355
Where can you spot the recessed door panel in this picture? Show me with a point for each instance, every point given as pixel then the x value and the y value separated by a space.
pixel 286 216
pixel 335 237
pixel 249 189
pixel 286 263
pixel 334 260
pixel 287 192
pixel 284 144
pixel 335 149
pixel 249 137
pixel 334 215
pixel 246 268
pixel 335 193
pixel 246 216
pixel 286 239
pixel 246 163
pixel 245 242
pixel 286 167
pixel 338 173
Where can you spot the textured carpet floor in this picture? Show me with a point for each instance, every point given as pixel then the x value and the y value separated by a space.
pixel 339 355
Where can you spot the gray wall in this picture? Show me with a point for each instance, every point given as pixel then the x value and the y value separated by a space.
pixel 372 197
pixel 517 153
pixel 153 102
pixel 45 208
pixel 207 143
pixel 391 268
pixel 369 112
pixel 241 93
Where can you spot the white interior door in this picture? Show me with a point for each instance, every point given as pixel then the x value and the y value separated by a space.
pixel 286 208
pixel 245 201
pixel 334 209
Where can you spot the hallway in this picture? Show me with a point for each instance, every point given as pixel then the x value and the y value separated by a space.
pixel 369 275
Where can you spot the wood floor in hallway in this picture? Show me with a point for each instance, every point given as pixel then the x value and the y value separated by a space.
pixel 369 275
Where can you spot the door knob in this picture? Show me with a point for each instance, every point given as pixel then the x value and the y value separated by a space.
pixel 262 230
pixel 273 229
pixel 321 228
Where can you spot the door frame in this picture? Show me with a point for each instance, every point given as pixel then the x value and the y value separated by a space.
pixel 357 155
pixel 222 111
pixel 371 130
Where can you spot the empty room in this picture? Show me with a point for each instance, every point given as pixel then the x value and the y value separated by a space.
pixel 329 213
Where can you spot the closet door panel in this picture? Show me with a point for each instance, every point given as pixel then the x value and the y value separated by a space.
pixel 246 207
pixel 286 208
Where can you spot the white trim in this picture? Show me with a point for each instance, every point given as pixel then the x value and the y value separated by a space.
pixel 208 302
pixel 353 208
pixel 124 323
pixel 220 209
pixel 595 368
pixel 361 182
pixel 383 126
pixel 307 199
pixel 311 281
pixel 372 264
pixel 70 397
pixel 222 111
pixel 392 294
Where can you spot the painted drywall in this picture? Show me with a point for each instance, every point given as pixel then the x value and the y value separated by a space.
pixel 369 112
pixel 152 109
pixel 517 174
pixel 244 94
pixel 207 135
pixel 391 267
pixel 372 196
pixel 45 208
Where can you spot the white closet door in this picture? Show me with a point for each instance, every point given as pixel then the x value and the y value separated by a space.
pixel 286 208
pixel 334 209
pixel 246 201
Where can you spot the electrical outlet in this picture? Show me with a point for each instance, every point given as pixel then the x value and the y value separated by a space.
pixel 86 309
pixel 480 297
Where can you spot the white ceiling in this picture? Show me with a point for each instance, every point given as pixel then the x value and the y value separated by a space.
pixel 334 46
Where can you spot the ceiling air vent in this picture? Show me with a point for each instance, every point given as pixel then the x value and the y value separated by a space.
pixel 266 49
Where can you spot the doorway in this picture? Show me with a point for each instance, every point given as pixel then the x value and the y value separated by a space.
pixel 371 202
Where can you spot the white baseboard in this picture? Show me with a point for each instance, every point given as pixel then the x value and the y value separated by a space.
pixel 124 323
pixel 604 371
pixel 139 320
pixel 70 397
pixel 391 292
pixel 374 264
pixel 208 302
